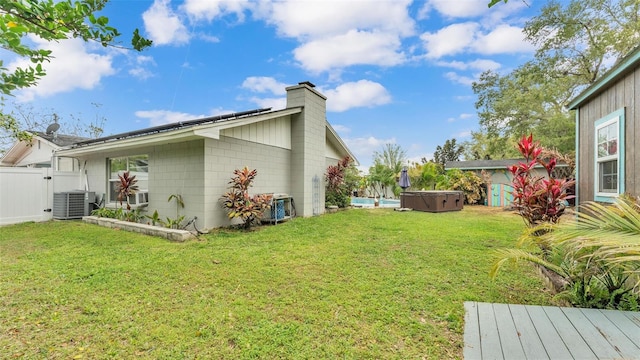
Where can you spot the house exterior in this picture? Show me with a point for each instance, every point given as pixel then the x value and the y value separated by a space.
pixel 39 152
pixel 290 149
pixel 608 133
pixel 497 177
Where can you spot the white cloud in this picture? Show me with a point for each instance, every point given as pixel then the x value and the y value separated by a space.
pixel 364 147
pixel 450 40
pixel 273 103
pixel 460 79
pixel 319 19
pixel 363 93
pixel 455 9
pixel 141 71
pixel 263 84
pixel 162 117
pixel 71 67
pixel 466 116
pixel 504 39
pixel 469 38
pixel 163 25
pixel 208 38
pixel 341 129
pixel 209 10
pixel 462 134
pixel 353 48
pixel 478 64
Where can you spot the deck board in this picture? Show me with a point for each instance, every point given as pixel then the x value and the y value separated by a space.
pixel 509 331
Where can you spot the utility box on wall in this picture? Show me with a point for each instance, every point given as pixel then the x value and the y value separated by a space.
pixel 432 201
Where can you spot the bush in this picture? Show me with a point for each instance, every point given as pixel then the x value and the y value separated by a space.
pixel 466 181
pixel 239 204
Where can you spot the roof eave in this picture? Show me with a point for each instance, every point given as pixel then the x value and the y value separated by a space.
pixel 338 141
pixel 616 72
pixel 211 130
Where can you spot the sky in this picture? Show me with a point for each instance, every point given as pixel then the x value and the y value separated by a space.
pixel 393 71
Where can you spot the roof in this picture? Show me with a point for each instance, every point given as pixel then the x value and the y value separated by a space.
pixel 208 127
pixel 21 149
pixel 59 139
pixel 172 126
pixel 622 68
pixel 486 164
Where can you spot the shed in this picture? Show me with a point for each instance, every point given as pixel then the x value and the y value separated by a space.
pixel 608 133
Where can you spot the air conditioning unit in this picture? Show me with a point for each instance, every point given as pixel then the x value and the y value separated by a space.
pixel 73 204
pixel 139 198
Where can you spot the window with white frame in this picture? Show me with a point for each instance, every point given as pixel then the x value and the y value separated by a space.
pixel 137 165
pixel 609 160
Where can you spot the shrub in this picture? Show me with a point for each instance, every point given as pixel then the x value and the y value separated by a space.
pixel 339 182
pixel 239 204
pixel 126 187
pixel 465 181
pixel 538 199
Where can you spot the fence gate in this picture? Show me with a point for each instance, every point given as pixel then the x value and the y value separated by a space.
pixel 26 194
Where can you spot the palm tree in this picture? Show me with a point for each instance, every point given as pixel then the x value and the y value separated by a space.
pixel 597 253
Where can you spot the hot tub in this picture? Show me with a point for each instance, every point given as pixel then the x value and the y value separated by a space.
pixel 432 201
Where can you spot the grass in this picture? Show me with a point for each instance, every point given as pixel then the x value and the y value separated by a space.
pixel 358 284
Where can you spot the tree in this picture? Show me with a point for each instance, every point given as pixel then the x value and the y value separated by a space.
pixel 391 156
pixel 450 151
pixel 387 166
pixel 575 43
pixel 52 21
pixel 34 120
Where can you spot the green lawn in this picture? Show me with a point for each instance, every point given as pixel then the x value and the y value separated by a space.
pixel 357 284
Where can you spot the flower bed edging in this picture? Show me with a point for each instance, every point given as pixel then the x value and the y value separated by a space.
pixel 169 234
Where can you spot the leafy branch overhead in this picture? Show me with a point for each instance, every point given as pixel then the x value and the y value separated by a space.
pixel 51 21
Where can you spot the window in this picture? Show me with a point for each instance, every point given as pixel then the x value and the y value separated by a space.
pixel 137 165
pixel 609 157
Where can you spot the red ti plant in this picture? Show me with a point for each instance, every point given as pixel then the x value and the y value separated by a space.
pixel 538 199
pixel 335 174
pixel 126 187
pixel 239 204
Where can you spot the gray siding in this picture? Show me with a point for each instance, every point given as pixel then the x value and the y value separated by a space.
pixel 224 156
pixel 622 94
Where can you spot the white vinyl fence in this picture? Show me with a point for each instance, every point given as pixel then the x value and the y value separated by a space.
pixel 26 194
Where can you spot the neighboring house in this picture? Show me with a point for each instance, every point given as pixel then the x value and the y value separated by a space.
pixel 39 152
pixel 497 176
pixel 290 149
pixel 608 133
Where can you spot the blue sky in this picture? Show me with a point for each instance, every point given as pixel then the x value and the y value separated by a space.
pixel 394 71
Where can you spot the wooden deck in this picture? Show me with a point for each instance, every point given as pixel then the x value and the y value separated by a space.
pixel 507 331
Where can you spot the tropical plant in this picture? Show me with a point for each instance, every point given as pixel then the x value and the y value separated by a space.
pixel 596 253
pixel 239 204
pixel 132 215
pixel 337 189
pixel 174 223
pixel 126 187
pixel 105 212
pixel 155 218
pixel 538 199
pixel 466 181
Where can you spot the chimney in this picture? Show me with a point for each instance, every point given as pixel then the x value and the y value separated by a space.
pixel 308 142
